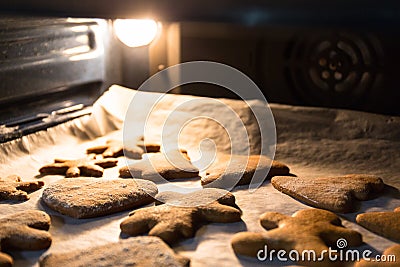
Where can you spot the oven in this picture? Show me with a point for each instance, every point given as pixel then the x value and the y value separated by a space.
pixel 312 86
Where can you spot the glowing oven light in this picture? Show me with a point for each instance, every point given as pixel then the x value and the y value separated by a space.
pixel 136 32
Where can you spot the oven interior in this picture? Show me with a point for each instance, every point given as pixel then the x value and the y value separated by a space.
pixel 329 73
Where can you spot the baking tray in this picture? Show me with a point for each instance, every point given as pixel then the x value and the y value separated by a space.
pixel 312 141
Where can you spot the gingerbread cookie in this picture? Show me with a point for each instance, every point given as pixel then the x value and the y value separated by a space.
pixel 337 194
pixel 242 167
pixel 148 147
pixel 115 148
pixel 392 259
pixel 26 230
pixel 90 167
pixel 307 230
pixel 382 223
pixel 6 260
pixel 173 165
pixel 90 197
pixel 13 188
pixel 137 251
pixel 173 223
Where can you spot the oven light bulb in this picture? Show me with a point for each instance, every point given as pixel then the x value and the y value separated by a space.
pixel 136 32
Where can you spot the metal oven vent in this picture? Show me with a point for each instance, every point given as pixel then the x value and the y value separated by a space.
pixel 51 70
pixel 337 69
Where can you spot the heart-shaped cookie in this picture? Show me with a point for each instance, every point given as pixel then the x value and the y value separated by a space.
pixel 384 223
pixel 91 197
pixel 338 194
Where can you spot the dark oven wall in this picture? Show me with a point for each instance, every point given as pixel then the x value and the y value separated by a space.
pixel 340 53
pixel 341 67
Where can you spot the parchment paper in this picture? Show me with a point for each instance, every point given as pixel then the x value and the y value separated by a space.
pixel 312 141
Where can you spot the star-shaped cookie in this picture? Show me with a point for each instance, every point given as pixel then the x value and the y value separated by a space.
pixel 26 230
pixel 384 223
pixel 13 188
pixel 172 165
pixel 182 216
pixel 337 194
pixel 243 168
pixel 81 167
pixel 115 149
pixel 392 256
pixel 307 230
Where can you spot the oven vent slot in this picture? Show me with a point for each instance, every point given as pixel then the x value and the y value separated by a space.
pixel 336 69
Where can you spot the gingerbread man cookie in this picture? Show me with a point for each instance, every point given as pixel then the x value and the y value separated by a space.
pixel 337 194
pixel 182 219
pixel 90 167
pixel 26 230
pixel 243 168
pixel 13 188
pixel 307 230
pixel 384 223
